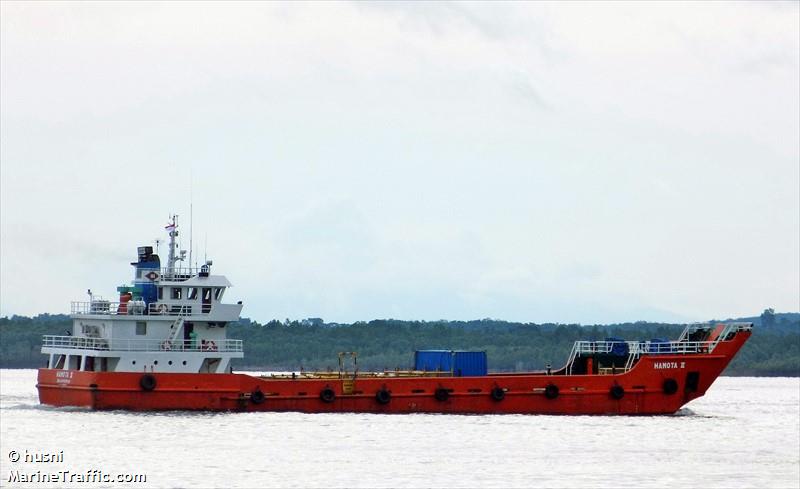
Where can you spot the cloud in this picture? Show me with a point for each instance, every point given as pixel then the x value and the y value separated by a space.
pixel 529 161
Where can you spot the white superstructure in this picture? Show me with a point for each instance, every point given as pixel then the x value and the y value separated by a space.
pixel 171 319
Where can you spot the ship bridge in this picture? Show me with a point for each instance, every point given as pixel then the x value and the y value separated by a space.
pixel 170 319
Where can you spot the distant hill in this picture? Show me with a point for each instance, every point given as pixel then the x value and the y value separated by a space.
pixel 773 350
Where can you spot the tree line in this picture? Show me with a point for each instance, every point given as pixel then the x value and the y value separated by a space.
pixel 313 344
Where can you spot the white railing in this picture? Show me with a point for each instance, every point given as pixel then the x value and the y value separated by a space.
pixel 94 307
pixel 633 350
pixel 708 328
pixel 120 344
pixel 642 347
pixel 164 309
pixel 571 360
pixel 138 308
pixel 179 274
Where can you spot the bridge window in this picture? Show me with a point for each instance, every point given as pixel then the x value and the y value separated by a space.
pixel 160 293
pixel 177 292
pixel 218 293
pixel 193 293
pixel 141 328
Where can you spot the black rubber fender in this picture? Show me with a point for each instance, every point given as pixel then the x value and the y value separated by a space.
pixel 257 397
pixel 551 391
pixel 148 382
pixel 498 394
pixel 327 395
pixel 617 392
pixel 441 394
pixel 383 396
pixel 670 386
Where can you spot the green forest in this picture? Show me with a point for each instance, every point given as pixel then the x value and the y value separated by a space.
pixel 774 349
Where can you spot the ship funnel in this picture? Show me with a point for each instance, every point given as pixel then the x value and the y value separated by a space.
pixel 148 268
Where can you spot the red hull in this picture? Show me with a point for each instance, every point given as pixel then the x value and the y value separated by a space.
pixel 643 390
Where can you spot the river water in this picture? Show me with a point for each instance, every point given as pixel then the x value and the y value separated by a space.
pixel 744 433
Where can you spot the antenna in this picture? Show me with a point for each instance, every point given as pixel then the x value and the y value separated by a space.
pixel 191 216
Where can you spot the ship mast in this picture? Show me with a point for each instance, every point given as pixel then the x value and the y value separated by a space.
pixel 172 227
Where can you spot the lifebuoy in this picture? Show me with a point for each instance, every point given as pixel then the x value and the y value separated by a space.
pixel 166 345
pixel 147 382
pixel 257 397
pixel 327 395
pixel 383 396
pixel 551 391
pixel 498 394
pixel 670 386
pixel 161 309
pixel 441 394
pixel 211 346
pixel 617 392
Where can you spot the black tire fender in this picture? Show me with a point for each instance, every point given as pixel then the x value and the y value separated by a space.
pixel 383 396
pixel 257 397
pixel 551 391
pixel 441 394
pixel 498 394
pixel 617 392
pixel 327 395
pixel 148 382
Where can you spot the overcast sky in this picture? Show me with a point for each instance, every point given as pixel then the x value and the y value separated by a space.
pixel 567 162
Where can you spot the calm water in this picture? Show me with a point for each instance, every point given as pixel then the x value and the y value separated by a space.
pixel 744 433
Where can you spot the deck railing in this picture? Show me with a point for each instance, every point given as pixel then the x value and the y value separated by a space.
pixel 642 347
pixel 137 308
pixel 177 274
pixel 633 350
pixel 122 344
pixel 708 328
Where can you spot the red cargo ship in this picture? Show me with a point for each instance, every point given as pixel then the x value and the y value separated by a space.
pixel 163 346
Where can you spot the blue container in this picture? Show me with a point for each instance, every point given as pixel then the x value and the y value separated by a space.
pixel 659 345
pixel 433 360
pixel 619 348
pixel 469 363
pixel 460 363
